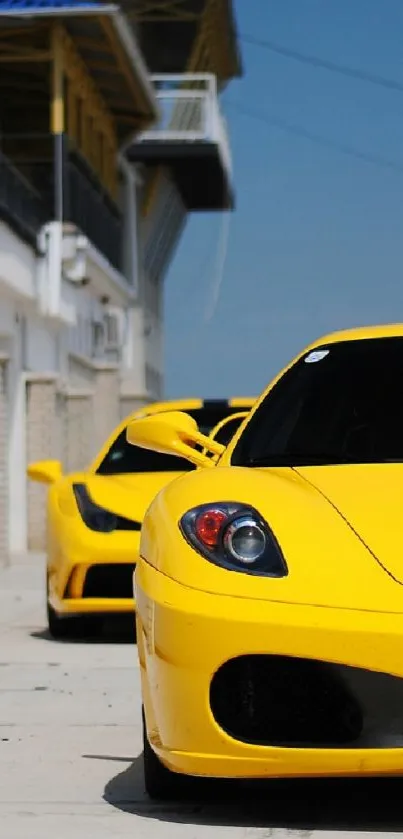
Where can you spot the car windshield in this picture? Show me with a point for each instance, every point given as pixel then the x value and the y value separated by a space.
pixel 342 403
pixel 123 458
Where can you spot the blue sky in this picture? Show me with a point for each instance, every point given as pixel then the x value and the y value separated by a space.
pixel 316 242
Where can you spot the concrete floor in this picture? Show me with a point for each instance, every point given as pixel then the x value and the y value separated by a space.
pixel 70 749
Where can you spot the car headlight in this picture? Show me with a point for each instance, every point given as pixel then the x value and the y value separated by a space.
pixel 235 537
pixel 96 517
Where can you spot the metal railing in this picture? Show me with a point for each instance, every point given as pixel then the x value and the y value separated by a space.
pixel 28 190
pixel 190 112
pixel 20 203
pixel 87 205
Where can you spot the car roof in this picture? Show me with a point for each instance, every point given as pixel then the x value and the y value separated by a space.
pixel 241 402
pixel 360 333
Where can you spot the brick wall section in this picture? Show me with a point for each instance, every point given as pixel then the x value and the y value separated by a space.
pixel 105 405
pixel 3 464
pixel 43 431
pixel 78 422
pixel 69 424
pixel 103 379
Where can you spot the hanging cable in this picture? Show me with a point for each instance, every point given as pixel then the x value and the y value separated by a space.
pixel 218 277
pixel 320 140
pixel 324 64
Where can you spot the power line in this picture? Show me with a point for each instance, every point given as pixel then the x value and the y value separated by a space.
pixel 300 131
pixel 332 66
pixel 222 252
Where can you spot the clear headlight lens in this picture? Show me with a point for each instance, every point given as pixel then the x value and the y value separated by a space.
pixel 245 540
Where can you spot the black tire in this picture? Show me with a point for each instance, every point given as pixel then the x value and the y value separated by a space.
pixel 160 783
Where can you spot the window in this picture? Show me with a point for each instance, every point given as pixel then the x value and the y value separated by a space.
pixel 112 336
pixel 341 404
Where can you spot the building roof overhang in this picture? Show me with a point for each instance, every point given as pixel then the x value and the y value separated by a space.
pixel 106 43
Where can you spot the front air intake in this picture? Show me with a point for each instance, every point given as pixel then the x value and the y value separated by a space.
pixel 273 700
pixel 110 581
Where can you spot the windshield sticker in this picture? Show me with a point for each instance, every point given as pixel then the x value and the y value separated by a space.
pixel 318 355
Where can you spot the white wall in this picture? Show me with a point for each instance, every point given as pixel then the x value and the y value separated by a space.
pixel 17 466
pixel 7 314
pixel 16 433
pixel 17 265
pixel 38 344
pixel 134 354
pixel 31 343
pixel 89 308
pixel 41 345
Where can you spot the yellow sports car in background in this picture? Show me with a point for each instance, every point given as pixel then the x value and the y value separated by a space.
pixel 94 518
pixel 269 587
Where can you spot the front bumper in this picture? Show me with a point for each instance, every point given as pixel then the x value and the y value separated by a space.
pixel 93 573
pixel 93 605
pixel 184 636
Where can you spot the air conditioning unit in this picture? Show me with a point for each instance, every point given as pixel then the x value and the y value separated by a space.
pixel 98 342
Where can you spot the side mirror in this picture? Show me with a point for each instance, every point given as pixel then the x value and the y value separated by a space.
pixel 45 471
pixel 173 432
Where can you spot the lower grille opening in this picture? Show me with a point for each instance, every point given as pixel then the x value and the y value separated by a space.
pixel 114 580
pixel 273 700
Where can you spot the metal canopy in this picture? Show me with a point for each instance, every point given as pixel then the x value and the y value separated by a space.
pixel 19 6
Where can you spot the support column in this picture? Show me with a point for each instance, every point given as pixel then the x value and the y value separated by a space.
pixel 131 255
pixel 43 436
pixel 57 130
pixel 57 116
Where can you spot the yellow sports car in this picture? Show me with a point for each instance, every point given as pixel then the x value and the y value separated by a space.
pixel 269 587
pixel 94 518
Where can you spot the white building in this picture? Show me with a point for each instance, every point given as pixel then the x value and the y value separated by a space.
pixel 100 162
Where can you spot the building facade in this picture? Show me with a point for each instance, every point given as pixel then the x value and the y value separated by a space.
pixel 110 134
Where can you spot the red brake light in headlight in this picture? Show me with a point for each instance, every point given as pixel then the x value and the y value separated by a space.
pixel 207 526
pixel 235 537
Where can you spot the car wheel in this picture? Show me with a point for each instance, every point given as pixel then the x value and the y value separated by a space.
pixel 160 782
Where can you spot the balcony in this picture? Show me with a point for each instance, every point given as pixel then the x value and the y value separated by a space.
pixel 29 189
pixel 191 140
pixel 87 205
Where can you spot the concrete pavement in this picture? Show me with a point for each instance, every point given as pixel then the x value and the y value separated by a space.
pixel 70 749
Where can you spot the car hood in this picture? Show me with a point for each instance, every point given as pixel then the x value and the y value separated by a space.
pixel 370 498
pixel 339 528
pixel 127 495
